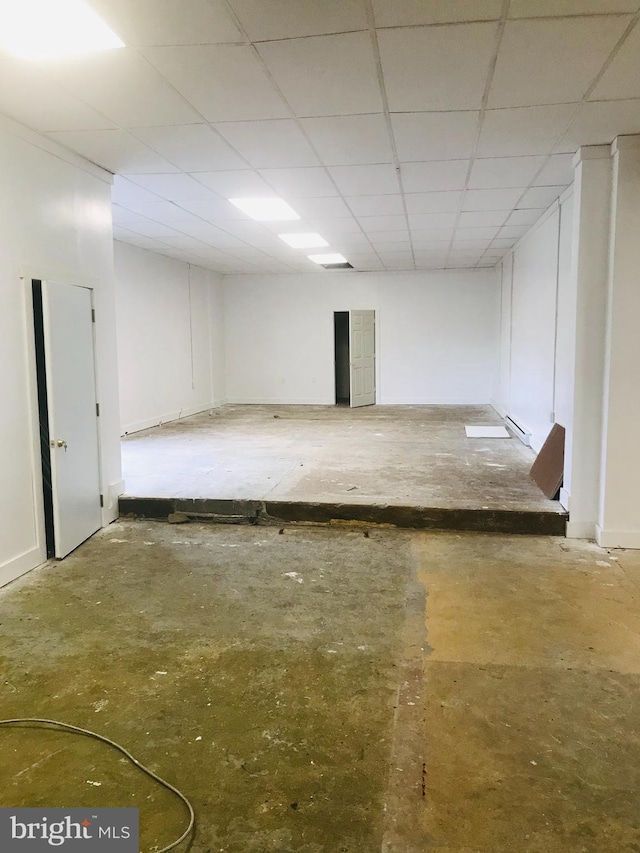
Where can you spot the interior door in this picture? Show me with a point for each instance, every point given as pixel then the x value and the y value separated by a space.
pixel 72 414
pixel 362 348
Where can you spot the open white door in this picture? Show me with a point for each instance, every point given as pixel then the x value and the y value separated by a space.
pixel 362 349
pixel 72 414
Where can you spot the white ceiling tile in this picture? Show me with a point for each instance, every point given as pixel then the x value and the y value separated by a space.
pixel 184 241
pixel 488 232
pixel 390 255
pixel 345 140
pixel 325 75
pixel 367 264
pixel 436 68
pixel 547 8
pixel 470 245
pixel 152 229
pixel 498 172
pixel 250 232
pixel 124 191
pixel 386 239
pixel 557 170
pixel 212 210
pixel 265 20
pixel 300 183
pixel 372 205
pixel 161 211
pixel 499 199
pixel 525 217
pixel 435 176
pixel 157 22
pixel 122 86
pixel 600 122
pixel 338 225
pixel 209 234
pixel 418 221
pixel 622 77
pixel 384 224
pixel 444 202
pixel 123 215
pixel 477 219
pixel 318 208
pixel 175 187
pixel 115 150
pixel 435 136
pixel 191 147
pixel 552 61
pixel 141 241
pixel 410 13
pixel 523 131
pixel 348 242
pixel 269 144
pixel 399 264
pixel 512 231
pixel 540 196
pixel 223 82
pixel 431 237
pixel 504 243
pixel 30 97
pixel 366 180
pixel 244 183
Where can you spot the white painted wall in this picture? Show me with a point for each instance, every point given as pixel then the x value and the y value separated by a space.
pixel 55 221
pixel 537 332
pixel 170 338
pixel 437 335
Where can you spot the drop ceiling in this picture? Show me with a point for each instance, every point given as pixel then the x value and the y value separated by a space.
pixel 411 134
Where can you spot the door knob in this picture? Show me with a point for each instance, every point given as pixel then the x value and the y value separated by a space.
pixel 60 442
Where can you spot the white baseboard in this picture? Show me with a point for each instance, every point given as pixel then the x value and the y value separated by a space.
pixel 565 499
pixel 581 530
pixel 17 566
pixel 177 415
pixel 282 401
pixel 617 538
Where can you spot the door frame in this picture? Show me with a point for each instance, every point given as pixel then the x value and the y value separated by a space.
pixel 378 321
pixel 27 275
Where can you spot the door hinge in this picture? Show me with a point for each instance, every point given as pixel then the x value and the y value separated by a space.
pixel 101 500
pixel 97 410
pixel 93 315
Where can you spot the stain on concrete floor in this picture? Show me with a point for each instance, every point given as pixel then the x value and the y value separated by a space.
pixel 318 690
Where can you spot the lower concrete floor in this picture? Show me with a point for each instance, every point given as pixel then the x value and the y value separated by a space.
pixel 394 455
pixel 333 691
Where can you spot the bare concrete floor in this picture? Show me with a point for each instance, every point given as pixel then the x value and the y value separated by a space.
pixel 402 455
pixel 323 691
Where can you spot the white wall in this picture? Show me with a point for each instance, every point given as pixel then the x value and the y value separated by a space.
pixel 537 333
pixel 436 335
pixel 55 221
pixel 170 338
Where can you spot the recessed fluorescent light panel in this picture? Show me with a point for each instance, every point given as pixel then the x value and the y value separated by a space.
pixel 53 29
pixel 265 209
pixel 323 260
pixel 303 241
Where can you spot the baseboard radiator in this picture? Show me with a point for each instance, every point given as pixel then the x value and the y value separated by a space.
pixel 525 437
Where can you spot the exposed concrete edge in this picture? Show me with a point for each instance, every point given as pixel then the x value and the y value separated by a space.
pixel 412 517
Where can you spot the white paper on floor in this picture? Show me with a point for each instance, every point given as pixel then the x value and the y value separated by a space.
pixel 486 432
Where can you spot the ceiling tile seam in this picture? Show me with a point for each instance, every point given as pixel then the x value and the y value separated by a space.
pixel 510 19
pixel 313 36
pixel 605 65
pixel 483 106
pixel 387 115
pixel 295 118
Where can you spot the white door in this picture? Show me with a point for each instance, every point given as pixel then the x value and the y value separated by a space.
pixel 362 355
pixel 73 425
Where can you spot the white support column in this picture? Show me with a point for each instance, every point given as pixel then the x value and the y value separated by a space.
pixel 619 520
pixel 589 271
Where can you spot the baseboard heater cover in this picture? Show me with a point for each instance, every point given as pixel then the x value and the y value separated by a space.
pixel 525 437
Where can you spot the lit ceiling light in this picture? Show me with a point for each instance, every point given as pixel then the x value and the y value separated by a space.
pixel 328 259
pixel 265 209
pixel 44 29
pixel 303 241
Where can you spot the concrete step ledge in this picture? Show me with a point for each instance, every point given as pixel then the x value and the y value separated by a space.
pixel 278 512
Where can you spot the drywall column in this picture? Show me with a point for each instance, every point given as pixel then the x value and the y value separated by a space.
pixel 589 271
pixel 619 522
